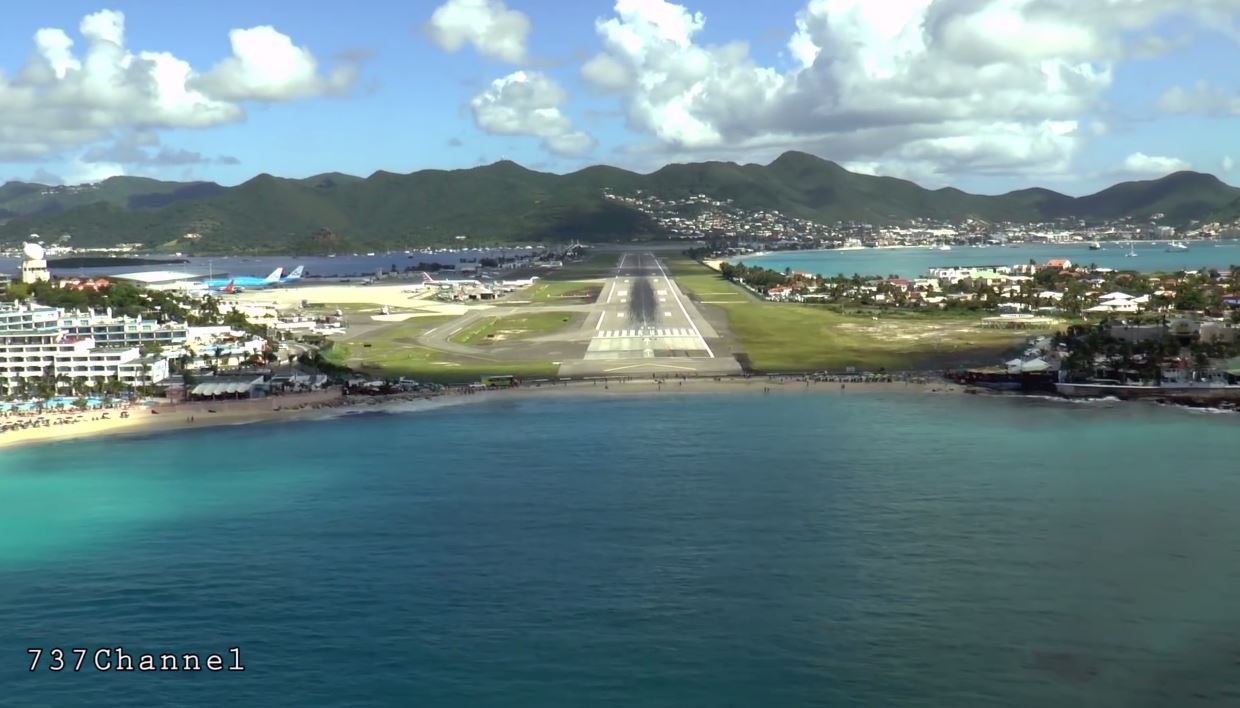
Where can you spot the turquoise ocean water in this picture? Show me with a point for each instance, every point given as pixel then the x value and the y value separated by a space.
pixel 913 262
pixel 706 550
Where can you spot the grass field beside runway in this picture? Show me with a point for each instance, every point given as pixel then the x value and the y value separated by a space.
pixel 492 330
pixel 568 292
pixel 793 337
pixel 393 351
pixel 594 265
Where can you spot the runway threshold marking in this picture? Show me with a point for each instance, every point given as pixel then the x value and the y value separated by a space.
pixel 676 296
pixel 647 366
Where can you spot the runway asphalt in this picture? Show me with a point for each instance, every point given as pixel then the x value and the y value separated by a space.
pixel 646 324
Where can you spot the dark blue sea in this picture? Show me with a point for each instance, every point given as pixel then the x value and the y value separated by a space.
pixel 674 550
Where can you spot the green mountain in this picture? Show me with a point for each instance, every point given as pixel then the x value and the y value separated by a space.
pixel 505 202
pixel 18 199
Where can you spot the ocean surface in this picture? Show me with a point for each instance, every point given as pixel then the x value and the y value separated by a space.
pixel 681 551
pixel 914 262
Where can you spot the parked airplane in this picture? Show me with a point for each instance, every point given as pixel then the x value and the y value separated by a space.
pixel 519 282
pixel 248 281
pixel 294 276
pixel 449 282
pixel 201 289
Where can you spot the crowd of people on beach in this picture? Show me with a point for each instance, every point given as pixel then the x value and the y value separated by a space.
pixel 18 419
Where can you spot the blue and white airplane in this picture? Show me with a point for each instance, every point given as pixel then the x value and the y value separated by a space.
pixel 294 276
pixel 248 281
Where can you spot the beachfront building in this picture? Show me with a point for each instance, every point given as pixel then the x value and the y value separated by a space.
pixel 34 347
pixel 111 331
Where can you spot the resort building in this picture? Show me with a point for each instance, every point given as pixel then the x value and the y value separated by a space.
pixel 111 331
pixel 33 346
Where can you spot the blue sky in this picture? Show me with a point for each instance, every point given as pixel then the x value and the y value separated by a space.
pixel 997 95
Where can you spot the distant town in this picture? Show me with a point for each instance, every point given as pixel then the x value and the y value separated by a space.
pixel 700 217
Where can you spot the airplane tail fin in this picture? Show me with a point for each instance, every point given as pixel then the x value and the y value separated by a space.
pixel 296 274
pixel 232 284
pixel 275 276
pixel 426 277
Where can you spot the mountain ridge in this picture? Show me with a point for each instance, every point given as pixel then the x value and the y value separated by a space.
pixel 507 202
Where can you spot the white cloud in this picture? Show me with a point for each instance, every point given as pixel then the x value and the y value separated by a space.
pixel 61 99
pixel 493 29
pixel 132 149
pixel 1228 163
pixel 266 66
pixel 1203 97
pixel 606 73
pixel 81 172
pixel 863 168
pixel 574 143
pixel 1138 164
pixel 928 87
pixel 528 103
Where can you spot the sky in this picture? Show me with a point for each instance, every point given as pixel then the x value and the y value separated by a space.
pixel 984 95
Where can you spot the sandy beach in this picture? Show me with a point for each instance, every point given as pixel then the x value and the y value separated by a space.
pixel 77 425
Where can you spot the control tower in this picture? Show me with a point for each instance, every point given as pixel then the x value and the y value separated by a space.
pixel 34 267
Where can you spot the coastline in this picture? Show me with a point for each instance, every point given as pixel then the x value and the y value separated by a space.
pixel 314 406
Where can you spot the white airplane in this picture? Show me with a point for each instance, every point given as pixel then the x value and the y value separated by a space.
pixel 519 282
pixel 448 282
pixel 508 286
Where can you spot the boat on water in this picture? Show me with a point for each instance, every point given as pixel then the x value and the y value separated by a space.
pixel 1132 252
pixel 1095 246
pixel 945 247
pixel 1174 246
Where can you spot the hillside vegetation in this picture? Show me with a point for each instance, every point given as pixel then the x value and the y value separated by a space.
pixel 505 202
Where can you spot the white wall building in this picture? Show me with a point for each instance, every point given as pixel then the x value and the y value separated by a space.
pixel 33 345
pixel 111 331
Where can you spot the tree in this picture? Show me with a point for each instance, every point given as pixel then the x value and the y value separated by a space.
pixel 17 291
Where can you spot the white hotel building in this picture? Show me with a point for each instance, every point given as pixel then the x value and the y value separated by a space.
pixel 111 331
pixel 33 343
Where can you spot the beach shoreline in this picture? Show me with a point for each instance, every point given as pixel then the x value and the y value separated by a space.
pixel 333 403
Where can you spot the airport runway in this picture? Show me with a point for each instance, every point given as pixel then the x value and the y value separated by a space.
pixel 645 324
pixel 641 324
